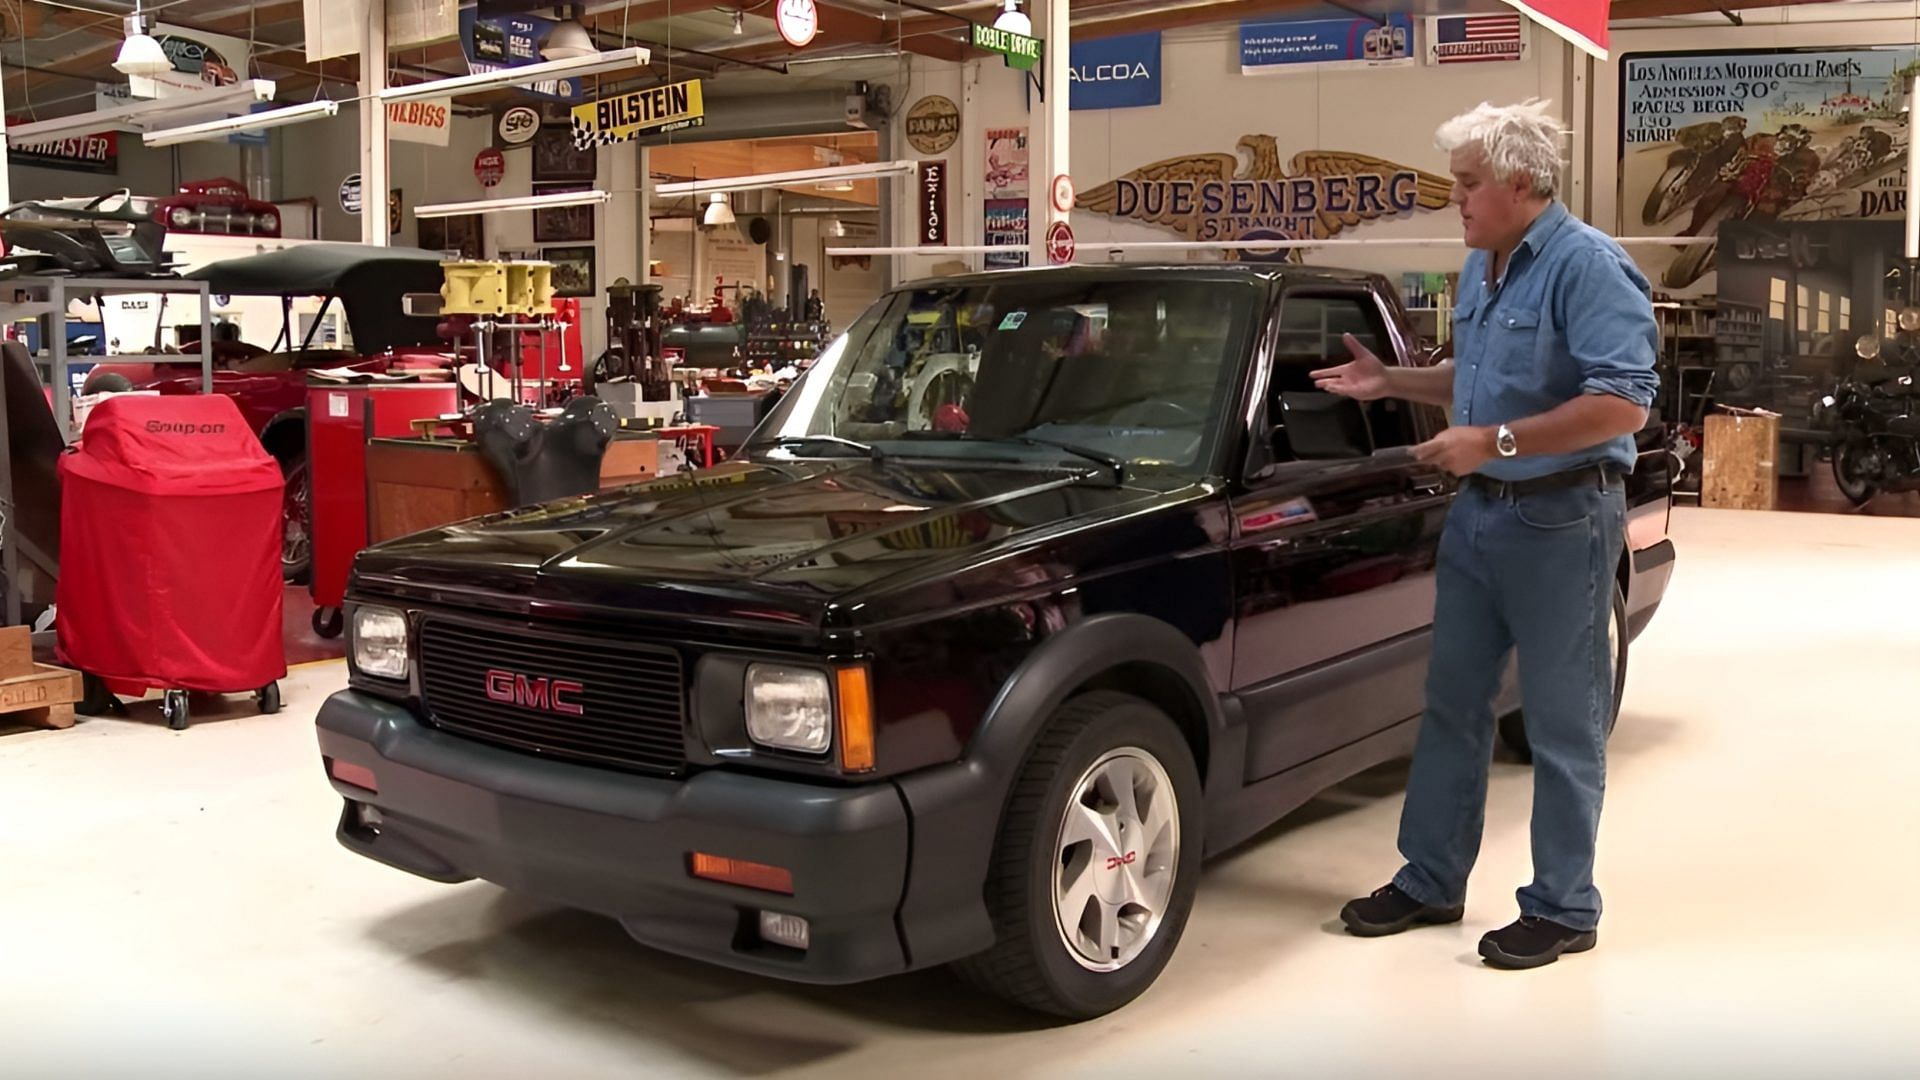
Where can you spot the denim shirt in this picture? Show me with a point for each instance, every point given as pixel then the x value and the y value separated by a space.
pixel 1571 316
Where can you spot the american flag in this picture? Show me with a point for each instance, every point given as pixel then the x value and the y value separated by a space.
pixel 1467 39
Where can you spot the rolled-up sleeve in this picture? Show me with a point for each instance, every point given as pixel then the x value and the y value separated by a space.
pixel 1607 306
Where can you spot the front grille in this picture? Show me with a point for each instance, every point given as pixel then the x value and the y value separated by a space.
pixel 631 705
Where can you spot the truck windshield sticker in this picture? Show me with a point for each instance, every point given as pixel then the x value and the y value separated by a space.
pixel 1013 320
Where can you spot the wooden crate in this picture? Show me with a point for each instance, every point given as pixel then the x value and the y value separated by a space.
pixel 419 484
pixel 42 699
pixel 1740 471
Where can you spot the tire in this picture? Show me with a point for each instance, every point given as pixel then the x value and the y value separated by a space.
pixel 1858 489
pixel 96 699
pixel 1664 201
pixel 1513 726
pixel 1038 960
pixel 173 706
pixel 296 520
pixel 328 622
pixel 269 699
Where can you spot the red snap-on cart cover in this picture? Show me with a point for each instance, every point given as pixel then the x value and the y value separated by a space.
pixel 170 548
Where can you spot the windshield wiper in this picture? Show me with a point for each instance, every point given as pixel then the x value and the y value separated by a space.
pixel 1118 465
pixel 835 440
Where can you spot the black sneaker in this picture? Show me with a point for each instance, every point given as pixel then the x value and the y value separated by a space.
pixel 1389 911
pixel 1533 942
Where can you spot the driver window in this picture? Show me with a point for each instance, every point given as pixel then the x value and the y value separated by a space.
pixel 1308 424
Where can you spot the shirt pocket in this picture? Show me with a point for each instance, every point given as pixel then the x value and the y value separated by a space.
pixel 1514 338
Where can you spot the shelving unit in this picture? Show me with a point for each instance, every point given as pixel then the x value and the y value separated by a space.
pixel 51 310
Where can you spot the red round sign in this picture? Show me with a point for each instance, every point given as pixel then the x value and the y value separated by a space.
pixel 489 166
pixel 1063 193
pixel 1060 243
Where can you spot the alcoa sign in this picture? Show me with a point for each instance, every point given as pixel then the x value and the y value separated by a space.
pixel 1116 72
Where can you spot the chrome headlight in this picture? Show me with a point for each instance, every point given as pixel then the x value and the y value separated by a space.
pixel 1867 348
pixel 378 642
pixel 1909 319
pixel 790 708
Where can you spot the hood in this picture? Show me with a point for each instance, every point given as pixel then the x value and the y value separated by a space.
pixel 763 544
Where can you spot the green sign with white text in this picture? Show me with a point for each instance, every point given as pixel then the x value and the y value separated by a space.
pixel 1020 50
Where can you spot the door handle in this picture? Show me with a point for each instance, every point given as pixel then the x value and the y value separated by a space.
pixel 1429 485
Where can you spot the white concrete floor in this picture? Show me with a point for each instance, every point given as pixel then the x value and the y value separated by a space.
pixel 175 905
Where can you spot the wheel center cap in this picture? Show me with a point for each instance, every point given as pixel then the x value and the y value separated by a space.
pixel 1111 881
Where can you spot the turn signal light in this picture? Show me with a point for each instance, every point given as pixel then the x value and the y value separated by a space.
pixel 354 775
pixel 752 875
pixel 856 720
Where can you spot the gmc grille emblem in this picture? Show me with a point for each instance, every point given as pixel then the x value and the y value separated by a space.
pixel 535 692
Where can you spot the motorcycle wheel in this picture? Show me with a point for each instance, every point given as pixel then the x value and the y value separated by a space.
pixel 1848 474
pixel 1666 199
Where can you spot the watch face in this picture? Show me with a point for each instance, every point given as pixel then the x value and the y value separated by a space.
pixel 1504 440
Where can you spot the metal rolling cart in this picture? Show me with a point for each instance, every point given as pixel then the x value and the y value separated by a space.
pixel 52 312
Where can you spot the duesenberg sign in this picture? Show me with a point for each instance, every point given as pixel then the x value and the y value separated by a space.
pixel 1250 196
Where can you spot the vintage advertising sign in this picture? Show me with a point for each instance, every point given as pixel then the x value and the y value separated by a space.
pixel 672 107
pixel 1008 164
pixel 1307 44
pixel 201 61
pixel 933 124
pixel 513 41
pixel 1477 39
pixel 429 122
pixel 1115 73
pixel 1708 139
pixel 1020 50
pixel 933 203
pixel 1007 227
pixel 97 153
pixel 1316 195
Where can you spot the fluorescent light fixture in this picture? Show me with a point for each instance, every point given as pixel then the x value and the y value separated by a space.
pixel 220 129
pixel 524 202
pixel 144 114
pixel 616 60
pixel 1012 21
pixel 761 181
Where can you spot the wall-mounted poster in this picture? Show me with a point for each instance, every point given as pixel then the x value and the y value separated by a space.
pixel 562 224
pixel 1315 195
pixel 1007 226
pixel 1007 163
pixel 463 234
pixel 557 159
pixel 1708 139
pixel 1309 44
pixel 572 270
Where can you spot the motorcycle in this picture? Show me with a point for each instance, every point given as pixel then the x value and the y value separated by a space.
pixel 1874 414
pixel 1690 173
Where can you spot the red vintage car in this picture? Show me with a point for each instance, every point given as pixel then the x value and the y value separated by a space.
pixel 217 207
pixel 269 383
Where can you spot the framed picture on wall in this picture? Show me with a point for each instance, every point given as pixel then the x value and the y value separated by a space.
pixel 463 234
pixel 562 224
pixel 572 270
pixel 556 159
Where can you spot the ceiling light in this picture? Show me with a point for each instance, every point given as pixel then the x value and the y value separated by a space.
pixel 144 114
pixel 718 212
pixel 1012 21
pixel 739 23
pixel 616 60
pixel 836 227
pixel 140 54
pixel 762 181
pixel 569 41
pixel 524 202
pixel 220 129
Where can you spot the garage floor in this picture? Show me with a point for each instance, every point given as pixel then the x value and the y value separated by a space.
pixel 175 904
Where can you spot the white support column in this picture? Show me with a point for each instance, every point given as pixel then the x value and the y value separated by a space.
pixel 643 239
pixel 1913 174
pixel 374 175
pixel 6 191
pixel 1052 21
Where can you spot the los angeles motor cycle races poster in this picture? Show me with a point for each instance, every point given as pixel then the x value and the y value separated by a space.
pixel 1787 135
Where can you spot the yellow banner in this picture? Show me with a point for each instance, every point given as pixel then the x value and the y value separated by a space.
pixel 672 107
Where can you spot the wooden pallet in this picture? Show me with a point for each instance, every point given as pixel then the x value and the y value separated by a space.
pixel 39 695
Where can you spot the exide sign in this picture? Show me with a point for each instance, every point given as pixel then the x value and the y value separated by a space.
pixel 1115 73
pixel 535 692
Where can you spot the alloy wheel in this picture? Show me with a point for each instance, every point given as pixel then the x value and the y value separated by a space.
pixel 1117 853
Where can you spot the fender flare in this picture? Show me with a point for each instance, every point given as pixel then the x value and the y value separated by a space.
pixel 956 809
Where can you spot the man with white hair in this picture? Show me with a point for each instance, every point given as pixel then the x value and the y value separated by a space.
pixel 1554 343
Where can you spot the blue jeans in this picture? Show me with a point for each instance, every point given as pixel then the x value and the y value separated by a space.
pixel 1534 572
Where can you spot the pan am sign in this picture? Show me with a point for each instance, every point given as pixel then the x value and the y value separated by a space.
pixel 1115 73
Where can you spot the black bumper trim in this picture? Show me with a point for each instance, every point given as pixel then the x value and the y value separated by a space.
pixel 1655 557
pixel 618 844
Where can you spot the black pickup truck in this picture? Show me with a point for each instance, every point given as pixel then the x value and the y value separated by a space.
pixel 1039 588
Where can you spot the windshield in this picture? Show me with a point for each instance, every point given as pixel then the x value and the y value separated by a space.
pixel 1032 368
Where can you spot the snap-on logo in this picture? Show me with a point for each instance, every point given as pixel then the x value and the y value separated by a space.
pixel 1117 861
pixel 534 692
pixel 171 427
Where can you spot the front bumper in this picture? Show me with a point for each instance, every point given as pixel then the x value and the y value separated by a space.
pixel 618 844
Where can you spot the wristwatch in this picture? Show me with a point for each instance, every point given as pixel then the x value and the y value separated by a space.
pixel 1503 442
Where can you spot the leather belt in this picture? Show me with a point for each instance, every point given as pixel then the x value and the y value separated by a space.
pixel 1510 489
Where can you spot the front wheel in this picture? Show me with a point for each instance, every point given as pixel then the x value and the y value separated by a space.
pixel 296 520
pixel 1513 726
pixel 1097 861
pixel 1851 473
